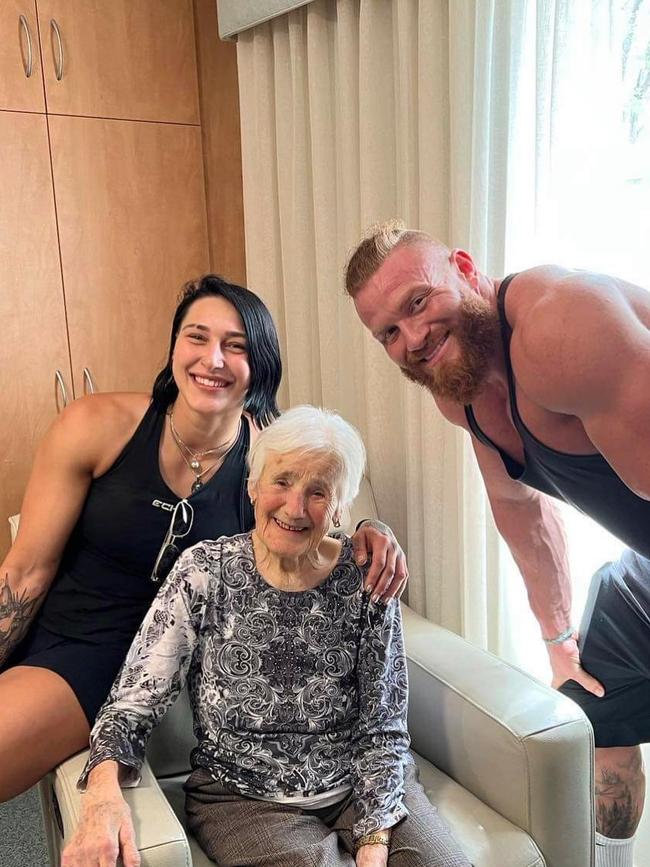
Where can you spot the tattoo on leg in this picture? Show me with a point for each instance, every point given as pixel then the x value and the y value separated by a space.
pixel 16 612
pixel 617 808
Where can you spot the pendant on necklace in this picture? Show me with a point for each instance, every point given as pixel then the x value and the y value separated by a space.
pixel 195 465
pixel 196 486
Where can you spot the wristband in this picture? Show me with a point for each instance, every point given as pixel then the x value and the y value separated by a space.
pixel 563 636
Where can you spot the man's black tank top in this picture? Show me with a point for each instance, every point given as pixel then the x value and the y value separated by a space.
pixel 585 481
pixel 103 586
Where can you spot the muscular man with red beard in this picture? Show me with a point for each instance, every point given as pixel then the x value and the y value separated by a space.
pixel 548 371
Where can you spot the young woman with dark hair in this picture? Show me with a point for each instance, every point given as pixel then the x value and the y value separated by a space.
pixel 121 484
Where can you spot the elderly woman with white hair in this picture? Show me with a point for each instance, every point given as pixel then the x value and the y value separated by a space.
pixel 297 681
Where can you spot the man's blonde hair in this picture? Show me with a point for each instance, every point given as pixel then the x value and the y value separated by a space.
pixel 372 252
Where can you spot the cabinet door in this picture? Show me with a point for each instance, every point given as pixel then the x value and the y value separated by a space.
pixel 132 225
pixel 21 80
pixel 34 342
pixel 132 59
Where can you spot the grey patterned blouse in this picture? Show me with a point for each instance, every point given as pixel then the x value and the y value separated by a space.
pixel 292 692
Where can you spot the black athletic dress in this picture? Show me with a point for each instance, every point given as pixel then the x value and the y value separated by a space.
pixel 103 586
pixel 615 629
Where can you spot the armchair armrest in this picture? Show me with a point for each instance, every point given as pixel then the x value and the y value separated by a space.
pixel 519 746
pixel 160 837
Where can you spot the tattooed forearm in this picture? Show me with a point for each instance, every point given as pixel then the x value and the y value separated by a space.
pixel 617 807
pixel 16 612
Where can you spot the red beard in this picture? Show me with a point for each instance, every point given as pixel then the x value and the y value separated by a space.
pixel 478 333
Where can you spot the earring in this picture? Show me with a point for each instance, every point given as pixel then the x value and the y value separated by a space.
pixel 336 521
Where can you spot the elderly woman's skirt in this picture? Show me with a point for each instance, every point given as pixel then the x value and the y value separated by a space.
pixel 233 830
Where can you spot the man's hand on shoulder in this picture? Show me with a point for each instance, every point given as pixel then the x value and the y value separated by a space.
pixel 388 572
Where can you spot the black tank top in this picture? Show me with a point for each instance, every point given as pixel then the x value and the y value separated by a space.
pixel 585 481
pixel 103 587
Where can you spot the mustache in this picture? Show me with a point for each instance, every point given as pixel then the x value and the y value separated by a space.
pixel 413 359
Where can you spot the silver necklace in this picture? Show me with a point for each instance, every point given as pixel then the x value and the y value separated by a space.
pixel 193 458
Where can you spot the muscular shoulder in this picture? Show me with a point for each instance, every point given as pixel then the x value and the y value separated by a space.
pixel 97 427
pixel 575 334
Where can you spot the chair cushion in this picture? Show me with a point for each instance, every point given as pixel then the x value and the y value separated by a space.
pixel 487 838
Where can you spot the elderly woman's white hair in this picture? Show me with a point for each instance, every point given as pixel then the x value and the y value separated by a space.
pixel 314 431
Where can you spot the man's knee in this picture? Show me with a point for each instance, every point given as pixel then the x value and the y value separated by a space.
pixel 627 762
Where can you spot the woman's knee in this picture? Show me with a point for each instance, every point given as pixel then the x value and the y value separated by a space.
pixel 41 724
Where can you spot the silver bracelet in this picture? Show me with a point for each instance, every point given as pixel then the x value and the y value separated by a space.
pixel 563 636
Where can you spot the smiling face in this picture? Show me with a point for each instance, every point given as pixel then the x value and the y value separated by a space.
pixel 295 500
pixel 422 306
pixel 210 359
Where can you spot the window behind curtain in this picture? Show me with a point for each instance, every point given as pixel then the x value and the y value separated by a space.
pixel 579 188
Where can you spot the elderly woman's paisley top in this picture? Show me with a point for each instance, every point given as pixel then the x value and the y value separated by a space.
pixel 293 693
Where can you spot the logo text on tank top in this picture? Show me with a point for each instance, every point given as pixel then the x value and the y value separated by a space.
pixel 167 507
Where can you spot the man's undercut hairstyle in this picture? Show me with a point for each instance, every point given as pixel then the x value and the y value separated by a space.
pixel 316 432
pixel 372 252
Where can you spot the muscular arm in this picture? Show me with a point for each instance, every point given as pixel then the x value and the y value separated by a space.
pixel 531 524
pixel 86 434
pixel 532 527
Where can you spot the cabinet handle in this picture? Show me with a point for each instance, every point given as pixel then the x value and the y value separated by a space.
pixel 27 66
pixel 89 385
pixel 59 383
pixel 58 61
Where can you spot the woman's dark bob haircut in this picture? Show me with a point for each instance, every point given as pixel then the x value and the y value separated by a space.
pixel 263 348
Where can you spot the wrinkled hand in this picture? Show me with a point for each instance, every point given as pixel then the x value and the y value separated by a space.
pixel 373 855
pixel 105 832
pixel 565 662
pixel 388 572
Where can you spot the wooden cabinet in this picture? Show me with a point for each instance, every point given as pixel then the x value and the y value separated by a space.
pixel 129 59
pixel 132 222
pixel 21 81
pixel 101 221
pixel 103 212
pixel 34 341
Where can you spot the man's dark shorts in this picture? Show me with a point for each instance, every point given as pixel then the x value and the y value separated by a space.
pixel 615 648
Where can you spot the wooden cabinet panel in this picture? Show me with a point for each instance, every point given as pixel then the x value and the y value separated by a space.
pixel 132 225
pixel 219 98
pixel 34 342
pixel 18 91
pixel 123 59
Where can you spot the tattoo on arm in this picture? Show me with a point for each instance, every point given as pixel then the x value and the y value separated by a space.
pixel 617 808
pixel 16 613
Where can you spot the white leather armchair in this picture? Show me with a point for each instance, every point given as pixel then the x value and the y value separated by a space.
pixel 507 761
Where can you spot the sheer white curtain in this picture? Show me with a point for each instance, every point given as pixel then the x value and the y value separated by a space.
pixel 468 119
pixel 346 121
pixel 576 193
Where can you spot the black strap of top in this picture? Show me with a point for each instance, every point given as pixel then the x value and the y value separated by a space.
pixel 476 430
pixel 506 334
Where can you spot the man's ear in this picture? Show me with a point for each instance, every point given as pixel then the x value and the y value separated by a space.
pixel 464 263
